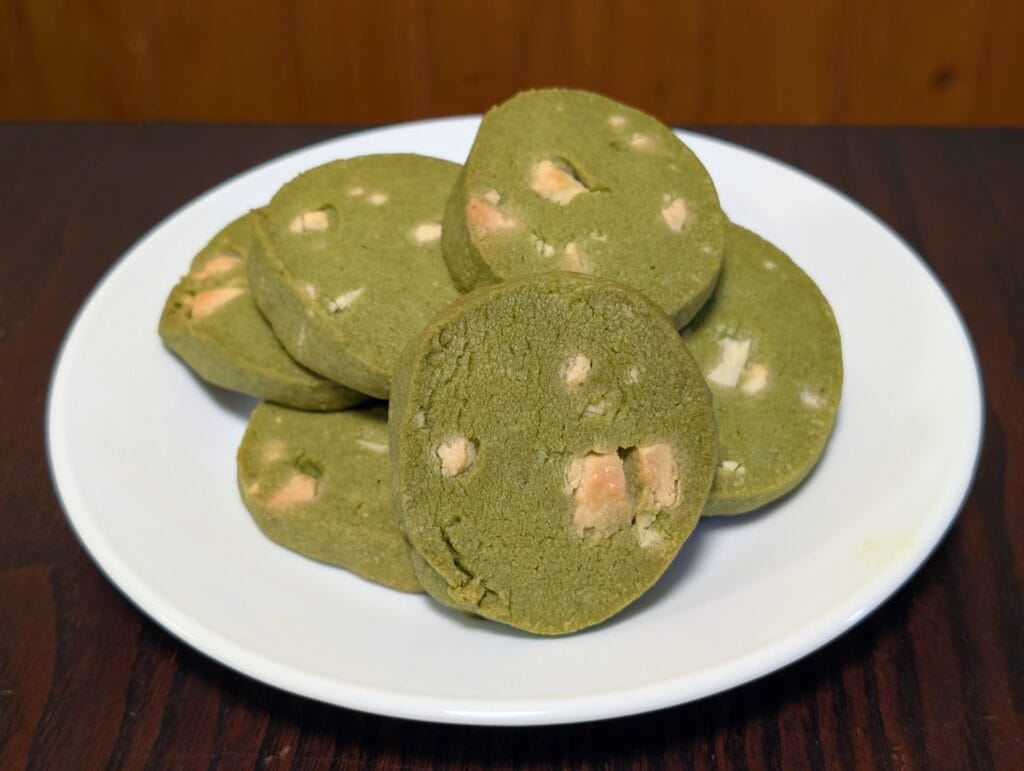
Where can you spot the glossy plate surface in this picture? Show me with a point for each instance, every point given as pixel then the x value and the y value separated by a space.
pixel 143 457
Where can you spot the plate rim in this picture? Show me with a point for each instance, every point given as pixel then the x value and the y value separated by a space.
pixel 600 705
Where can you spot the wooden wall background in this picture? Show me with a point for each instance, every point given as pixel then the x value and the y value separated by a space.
pixel 731 61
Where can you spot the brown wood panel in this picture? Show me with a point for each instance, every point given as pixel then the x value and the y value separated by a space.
pixel 933 679
pixel 689 62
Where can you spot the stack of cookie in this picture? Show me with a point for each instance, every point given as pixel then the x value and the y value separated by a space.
pixel 551 438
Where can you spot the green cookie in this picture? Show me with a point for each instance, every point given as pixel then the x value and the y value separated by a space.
pixel 569 180
pixel 319 484
pixel 347 264
pixel 552 446
pixel 212 323
pixel 769 347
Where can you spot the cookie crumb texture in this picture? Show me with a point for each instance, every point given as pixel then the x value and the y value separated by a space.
pixel 560 179
pixel 540 486
pixel 769 345
pixel 320 484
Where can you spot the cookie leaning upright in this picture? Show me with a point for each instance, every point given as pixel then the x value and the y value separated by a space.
pixel 768 343
pixel 552 446
pixel 319 484
pixel 347 263
pixel 212 323
pixel 569 180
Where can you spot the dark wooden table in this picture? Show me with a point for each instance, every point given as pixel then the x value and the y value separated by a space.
pixel 934 679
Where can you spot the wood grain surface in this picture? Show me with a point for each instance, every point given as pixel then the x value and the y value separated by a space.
pixel 934 679
pixel 689 61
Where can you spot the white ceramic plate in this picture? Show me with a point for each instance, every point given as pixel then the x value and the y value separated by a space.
pixel 143 457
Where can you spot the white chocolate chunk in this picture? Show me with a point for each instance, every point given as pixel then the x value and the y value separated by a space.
pixel 754 379
pixel 212 300
pixel 597 485
pixel 356 191
pixel 633 375
pixel 252 489
pixel 731 468
pixel 597 235
pixel 427 232
pixel 551 181
pixel 542 246
pixel 273 451
pixel 574 260
pixel 595 408
pixel 377 199
pixel 731 363
pixel 222 263
pixel 456 455
pixel 300 488
pixel 646 535
pixel 769 265
pixel 372 446
pixel 674 214
pixel 309 290
pixel 310 221
pixel 485 219
pixel 576 369
pixel 341 302
pixel 617 121
pixel 492 197
pixel 812 400
pixel 658 475
pixel 641 142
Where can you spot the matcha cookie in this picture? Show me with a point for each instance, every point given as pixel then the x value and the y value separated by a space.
pixel 319 484
pixel 569 180
pixel 212 323
pixel 552 446
pixel 347 263
pixel 769 347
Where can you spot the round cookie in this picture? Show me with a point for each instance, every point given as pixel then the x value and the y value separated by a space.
pixel 347 263
pixel 769 347
pixel 212 323
pixel 568 180
pixel 319 484
pixel 552 446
